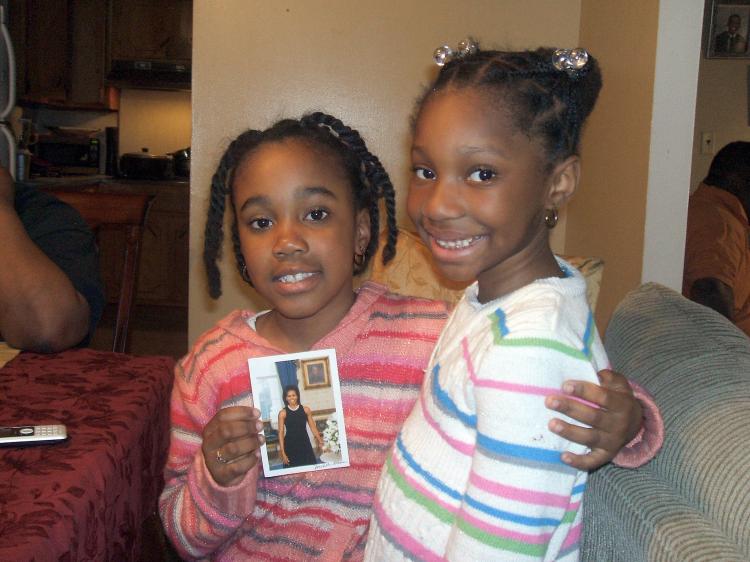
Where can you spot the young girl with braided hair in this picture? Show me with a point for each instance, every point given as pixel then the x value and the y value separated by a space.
pixel 476 473
pixel 304 196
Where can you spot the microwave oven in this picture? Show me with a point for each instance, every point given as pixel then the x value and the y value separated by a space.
pixel 67 154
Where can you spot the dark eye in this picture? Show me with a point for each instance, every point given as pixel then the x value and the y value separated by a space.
pixel 482 175
pixel 424 173
pixel 316 215
pixel 261 223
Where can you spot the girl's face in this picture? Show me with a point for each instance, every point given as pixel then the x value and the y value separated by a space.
pixel 298 231
pixel 291 398
pixel 478 193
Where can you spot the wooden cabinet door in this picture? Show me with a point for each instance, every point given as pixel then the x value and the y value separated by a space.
pixel 162 276
pixel 60 52
pixel 88 46
pixel 46 48
pixel 151 30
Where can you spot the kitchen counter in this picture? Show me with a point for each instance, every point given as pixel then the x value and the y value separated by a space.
pixel 83 180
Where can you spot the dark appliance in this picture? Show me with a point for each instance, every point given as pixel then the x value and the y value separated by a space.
pixel 182 163
pixel 145 166
pixel 72 151
pixel 150 74
pixel 111 163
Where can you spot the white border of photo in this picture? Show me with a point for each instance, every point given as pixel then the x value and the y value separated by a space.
pixel 263 373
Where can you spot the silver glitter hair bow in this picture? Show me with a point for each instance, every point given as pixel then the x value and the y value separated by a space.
pixel 572 61
pixel 443 55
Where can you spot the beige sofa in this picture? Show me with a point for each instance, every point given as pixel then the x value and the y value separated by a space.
pixel 410 272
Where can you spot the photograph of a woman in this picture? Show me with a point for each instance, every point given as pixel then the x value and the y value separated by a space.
pixel 294 445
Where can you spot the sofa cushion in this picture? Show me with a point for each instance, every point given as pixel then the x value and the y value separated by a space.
pixel 692 502
pixel 411 272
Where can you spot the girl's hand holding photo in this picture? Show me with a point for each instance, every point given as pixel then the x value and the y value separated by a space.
pixel 231 442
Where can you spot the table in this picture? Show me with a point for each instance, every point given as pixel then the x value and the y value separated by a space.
pixel 7 353
pixel 86 498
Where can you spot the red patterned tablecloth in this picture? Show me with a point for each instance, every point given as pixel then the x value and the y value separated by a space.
pixel 84 499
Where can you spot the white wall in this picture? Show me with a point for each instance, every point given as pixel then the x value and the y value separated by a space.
pixel 677 62
pixel 366 62
pixel 159 120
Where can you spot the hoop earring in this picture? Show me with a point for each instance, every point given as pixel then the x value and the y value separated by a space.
pixel 550 217
pixel 359 259
pixel 243 271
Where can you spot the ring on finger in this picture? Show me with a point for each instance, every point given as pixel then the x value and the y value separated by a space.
pixel 219 458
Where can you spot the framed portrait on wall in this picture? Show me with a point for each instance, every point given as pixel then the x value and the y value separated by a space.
pixel 729 26
pixel 315 373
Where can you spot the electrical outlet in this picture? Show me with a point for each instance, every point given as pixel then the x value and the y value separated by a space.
pixel 707 143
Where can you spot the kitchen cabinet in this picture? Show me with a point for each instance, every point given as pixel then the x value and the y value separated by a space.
pixel 150 43
pixel 74 54
pixel 60 53
pixel 163 266
pixel 147 30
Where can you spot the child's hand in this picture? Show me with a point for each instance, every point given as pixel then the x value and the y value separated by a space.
pixel 231 442
pixel 613 424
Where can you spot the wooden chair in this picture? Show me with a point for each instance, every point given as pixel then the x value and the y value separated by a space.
pixel 120 211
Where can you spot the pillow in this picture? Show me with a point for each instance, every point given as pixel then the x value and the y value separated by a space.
pixel 411 272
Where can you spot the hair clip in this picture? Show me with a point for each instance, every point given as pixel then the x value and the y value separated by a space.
pixel 445 54
pixel 571 61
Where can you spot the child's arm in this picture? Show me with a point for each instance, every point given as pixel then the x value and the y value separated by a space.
pixel 282 437
pixel 198 514
pixel 626 428
pixel 521 500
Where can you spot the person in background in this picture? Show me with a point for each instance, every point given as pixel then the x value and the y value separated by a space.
pixel 294 444
pixel 717 249
pixel 304 197
pixel 51 293
pixel 730 41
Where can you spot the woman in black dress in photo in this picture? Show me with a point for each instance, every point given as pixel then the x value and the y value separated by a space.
pixel 294 444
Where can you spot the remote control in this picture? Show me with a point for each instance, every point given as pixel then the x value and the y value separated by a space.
pixel 32 434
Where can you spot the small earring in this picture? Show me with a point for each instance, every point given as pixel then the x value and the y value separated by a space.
pixel 550 217
pixel 359 259
pixel 243 271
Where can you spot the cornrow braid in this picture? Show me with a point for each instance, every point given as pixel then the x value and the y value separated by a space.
pixel 544 102
pixel 368 179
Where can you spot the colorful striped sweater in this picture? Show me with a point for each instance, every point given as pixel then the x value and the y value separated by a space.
pixel 475 474
pixel 383 346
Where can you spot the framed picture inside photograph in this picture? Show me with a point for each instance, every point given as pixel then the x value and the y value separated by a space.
pixel 315 373
pixel 729 25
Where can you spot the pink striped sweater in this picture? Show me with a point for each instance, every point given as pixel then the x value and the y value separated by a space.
pixel 383 346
